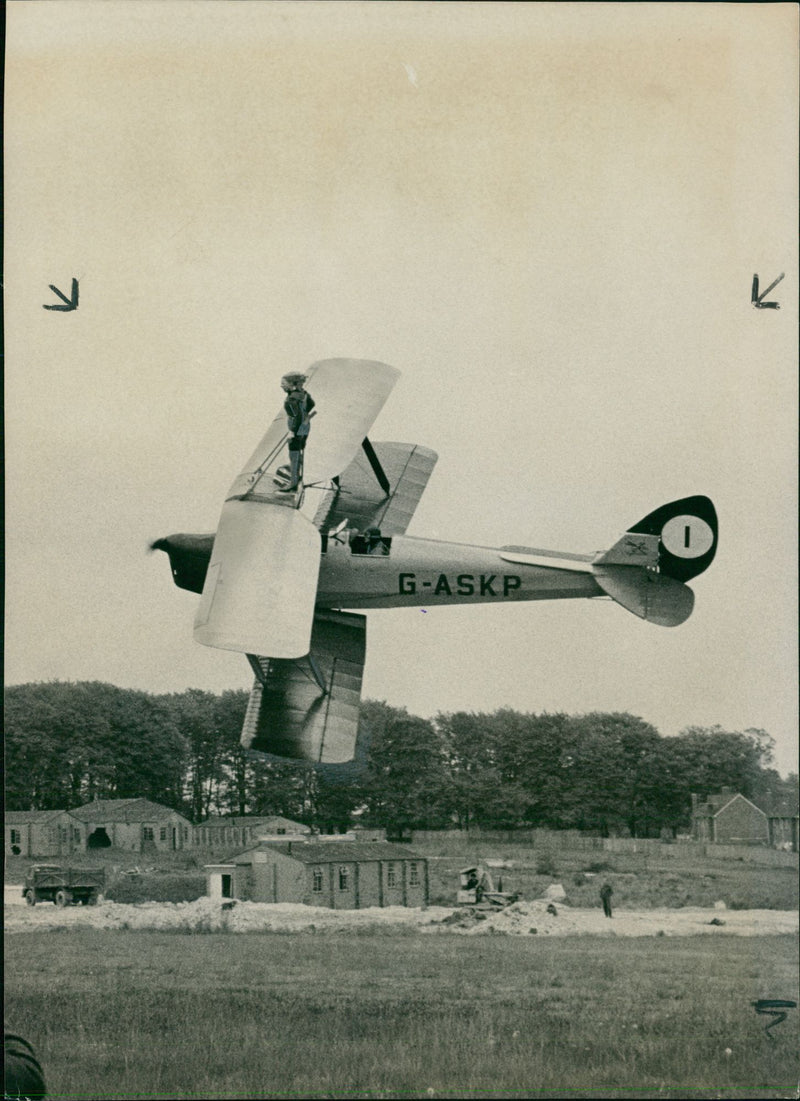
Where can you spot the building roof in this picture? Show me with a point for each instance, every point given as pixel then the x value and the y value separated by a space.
pixel 715 803
pixel 710 807
pixel 336 852
pixel 122 810
pixel 779 806
pixel 783 806
pixel 253 820
pixel 21 817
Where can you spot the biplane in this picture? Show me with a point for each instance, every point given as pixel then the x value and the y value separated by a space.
pixel 280 579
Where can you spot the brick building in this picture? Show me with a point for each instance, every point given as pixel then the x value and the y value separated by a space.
pixel 342 875
pixel 728 818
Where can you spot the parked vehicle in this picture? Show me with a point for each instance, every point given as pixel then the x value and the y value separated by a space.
pixel 64 886
pixel 477 889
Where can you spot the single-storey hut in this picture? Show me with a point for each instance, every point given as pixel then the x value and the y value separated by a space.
pixel 43 833
pixel 783 818
pixel 235 831
pixel 342 875
pixel 138 825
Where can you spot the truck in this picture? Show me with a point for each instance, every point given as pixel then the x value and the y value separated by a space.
pixel 64 886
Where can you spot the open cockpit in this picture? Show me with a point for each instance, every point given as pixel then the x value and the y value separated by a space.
pixel 367 543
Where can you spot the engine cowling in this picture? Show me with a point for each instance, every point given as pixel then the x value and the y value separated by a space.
pixel 189 556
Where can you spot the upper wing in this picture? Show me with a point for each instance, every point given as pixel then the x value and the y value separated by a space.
pixel 361 499
pixel 348 395
pixel 261 583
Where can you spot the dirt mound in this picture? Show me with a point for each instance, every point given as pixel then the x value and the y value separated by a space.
pixel 205 915
pixel 541 917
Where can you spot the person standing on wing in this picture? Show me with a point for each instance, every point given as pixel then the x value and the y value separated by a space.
pixel 298 407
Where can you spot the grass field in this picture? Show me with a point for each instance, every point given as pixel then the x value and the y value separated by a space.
pixel 134 1015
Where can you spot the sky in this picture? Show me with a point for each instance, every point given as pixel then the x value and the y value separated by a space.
pixel 547 216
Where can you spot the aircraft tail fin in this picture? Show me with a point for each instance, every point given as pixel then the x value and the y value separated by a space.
pixel 687 530
pixel 646 569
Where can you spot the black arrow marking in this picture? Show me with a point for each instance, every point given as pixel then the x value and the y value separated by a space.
pixel 758 299
pixel 69 303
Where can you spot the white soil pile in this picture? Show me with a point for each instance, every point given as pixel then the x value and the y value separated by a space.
pixel 544 918
pixel 528 918
pixel 205 914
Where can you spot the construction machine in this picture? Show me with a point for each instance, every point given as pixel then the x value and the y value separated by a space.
pixel 477 889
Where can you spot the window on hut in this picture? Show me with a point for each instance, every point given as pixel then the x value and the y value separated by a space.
pixel 391 876
pixel 413 874
pixel 342 878
pixel 162 833
pixel 147 833
pixel 317 879
pixel 16 837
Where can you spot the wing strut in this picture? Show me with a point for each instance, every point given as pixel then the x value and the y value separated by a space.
pixel 375 463
pixel 255 665
pixel 318 677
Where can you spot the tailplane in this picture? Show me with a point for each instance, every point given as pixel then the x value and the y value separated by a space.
pixel 646 570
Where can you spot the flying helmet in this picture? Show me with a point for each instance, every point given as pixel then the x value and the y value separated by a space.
pixel 293 380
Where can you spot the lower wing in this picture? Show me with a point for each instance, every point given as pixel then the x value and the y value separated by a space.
pixel 308 709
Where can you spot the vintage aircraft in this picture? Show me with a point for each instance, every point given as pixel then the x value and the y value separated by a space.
pixel 282 565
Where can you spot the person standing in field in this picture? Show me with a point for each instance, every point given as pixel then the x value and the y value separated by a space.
pixel 298 407
pixel 606 891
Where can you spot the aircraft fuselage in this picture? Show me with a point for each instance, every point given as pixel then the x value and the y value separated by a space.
pixel 427 572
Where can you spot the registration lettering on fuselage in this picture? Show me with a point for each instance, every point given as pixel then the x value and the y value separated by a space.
pixel 462 584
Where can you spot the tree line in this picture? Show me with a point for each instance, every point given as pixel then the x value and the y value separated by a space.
pixel 70 743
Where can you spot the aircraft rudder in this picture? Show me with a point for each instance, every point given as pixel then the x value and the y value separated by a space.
pixel 688 533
